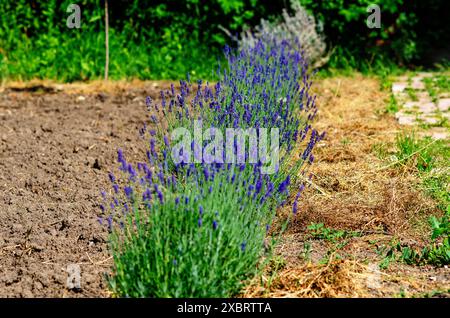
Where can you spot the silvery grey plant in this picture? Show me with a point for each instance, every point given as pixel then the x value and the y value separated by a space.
pixel 301 27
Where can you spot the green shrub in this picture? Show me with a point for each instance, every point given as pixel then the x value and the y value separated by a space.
pixel 407 30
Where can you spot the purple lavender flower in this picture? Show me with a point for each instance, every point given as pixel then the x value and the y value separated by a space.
pixel 120 157
pixel 160 196
pixel 152 147
pixel 131 171
pixel 284 185
pixel 214 225
pixel 109 220
pixel 163 99
pixel 295 207
pixel 200 222
pixel 206 173
pixel 166 141
pixel 243 246
pixel 128 191
pixel 147 195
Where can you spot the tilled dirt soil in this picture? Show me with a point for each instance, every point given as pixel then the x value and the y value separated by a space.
pixel 55 151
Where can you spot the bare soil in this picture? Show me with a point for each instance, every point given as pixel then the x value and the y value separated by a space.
pixel 56 147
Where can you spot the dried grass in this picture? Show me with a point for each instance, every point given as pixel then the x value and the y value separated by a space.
pixel 360 195
pixel 337 278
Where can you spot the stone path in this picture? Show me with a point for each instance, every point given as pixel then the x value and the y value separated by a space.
pixel 424 99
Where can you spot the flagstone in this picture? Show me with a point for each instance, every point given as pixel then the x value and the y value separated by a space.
pixel 417 85
pixel 399 87
pixel 423 97
pixel 417 106
pixel 431 120
pixel 405 119
pixel 411 105
pixel 427 108
pixel 444 104
pixel 440 135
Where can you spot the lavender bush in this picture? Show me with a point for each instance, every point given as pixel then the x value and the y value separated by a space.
pixel 267 85
pixel 198 229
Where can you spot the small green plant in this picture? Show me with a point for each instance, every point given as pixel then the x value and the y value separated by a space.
pixel 388 258
pixel 412 94
pixel 319 231
pixel 392 106
pixel 437 253
pixel 432 294
pixel 338 239
pixel 402 293
pixel 305 254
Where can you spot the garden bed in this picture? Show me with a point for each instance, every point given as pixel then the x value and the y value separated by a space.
pixel 57 145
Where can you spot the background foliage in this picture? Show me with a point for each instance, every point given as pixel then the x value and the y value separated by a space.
pixel 167 39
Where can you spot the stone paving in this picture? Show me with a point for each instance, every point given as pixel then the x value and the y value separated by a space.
pixel 424 99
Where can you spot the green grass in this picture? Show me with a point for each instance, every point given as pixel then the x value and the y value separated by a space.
pixel 431 159
pixel 82 57
pixel 419 153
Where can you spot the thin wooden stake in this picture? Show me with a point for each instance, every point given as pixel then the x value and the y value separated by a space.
pixel 106 40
